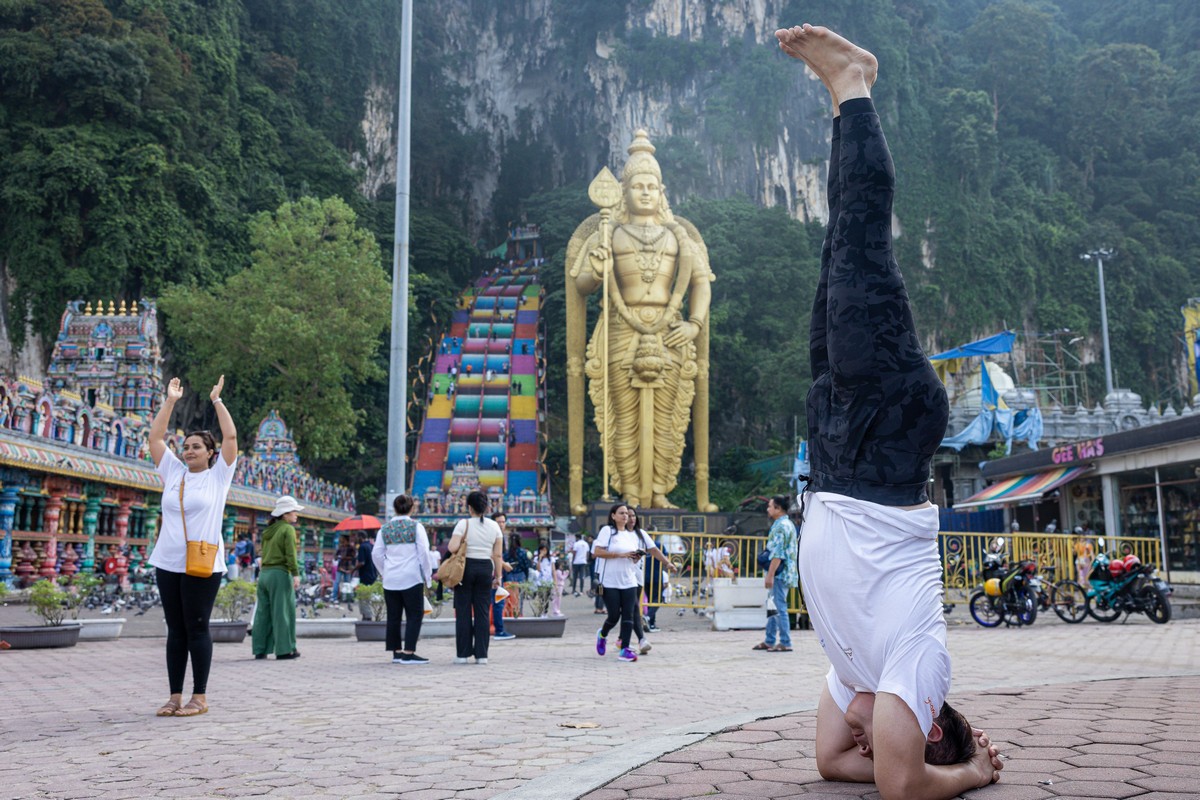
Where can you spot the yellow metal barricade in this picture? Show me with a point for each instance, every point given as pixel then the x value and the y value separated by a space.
pixel 1058 556
pixel 704 559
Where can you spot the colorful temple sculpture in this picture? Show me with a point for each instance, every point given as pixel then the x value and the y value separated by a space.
pixel 485 393
pixel 77 488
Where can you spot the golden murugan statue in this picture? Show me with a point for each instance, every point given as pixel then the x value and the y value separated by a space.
pixel 647 361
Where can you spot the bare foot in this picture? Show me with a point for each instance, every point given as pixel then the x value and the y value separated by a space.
pixel 787 44
pixel 847 69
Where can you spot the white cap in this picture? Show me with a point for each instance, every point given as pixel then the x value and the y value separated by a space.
pixel 285 504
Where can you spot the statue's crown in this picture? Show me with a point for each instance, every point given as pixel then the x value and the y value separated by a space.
pixel 641 158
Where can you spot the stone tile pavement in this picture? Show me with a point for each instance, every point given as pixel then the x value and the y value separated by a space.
pixel 342 721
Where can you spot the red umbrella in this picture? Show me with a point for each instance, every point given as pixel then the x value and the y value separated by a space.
pixel 359 522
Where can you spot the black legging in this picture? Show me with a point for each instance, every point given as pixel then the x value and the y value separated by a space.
pixel 621 604
pixel 473 609
pixel 407 604
pixel 187 604
pixel 876 411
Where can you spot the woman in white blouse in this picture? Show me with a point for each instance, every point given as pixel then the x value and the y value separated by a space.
pixel 481 578
pixel 193 509
pixel 401 555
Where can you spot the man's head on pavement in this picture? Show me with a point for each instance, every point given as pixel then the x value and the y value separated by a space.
pixel 950 739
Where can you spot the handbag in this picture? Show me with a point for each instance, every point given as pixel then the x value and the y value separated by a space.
pixel 764 559
pixel 450 573
pixel 200 554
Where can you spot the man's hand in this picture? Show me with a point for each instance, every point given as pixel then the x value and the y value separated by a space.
pixel 986 759
pixel 769 580
pixel 599 260
pixel 682 331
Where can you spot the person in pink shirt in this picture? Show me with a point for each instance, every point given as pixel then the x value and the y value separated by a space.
pixel 562 572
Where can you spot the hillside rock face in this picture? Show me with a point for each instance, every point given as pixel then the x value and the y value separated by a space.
pixel 531 77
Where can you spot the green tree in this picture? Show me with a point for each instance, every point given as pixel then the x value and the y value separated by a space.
pixel 298 329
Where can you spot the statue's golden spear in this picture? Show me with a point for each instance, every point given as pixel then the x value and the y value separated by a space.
pixel 605 193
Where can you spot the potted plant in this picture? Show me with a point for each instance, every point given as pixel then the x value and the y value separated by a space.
pixel 52 603
pixel 376 629
pixel 234 600
pixel 538 626
pixel 80 587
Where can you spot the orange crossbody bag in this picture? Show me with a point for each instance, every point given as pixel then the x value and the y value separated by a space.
pixel 200 555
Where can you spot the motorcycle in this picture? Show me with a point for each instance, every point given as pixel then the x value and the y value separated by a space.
pixel 1127 586
pixel 1008 594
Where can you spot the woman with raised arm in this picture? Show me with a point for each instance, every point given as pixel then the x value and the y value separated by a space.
pixel 193 507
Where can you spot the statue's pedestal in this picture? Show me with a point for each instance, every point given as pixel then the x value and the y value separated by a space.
pixel 661 520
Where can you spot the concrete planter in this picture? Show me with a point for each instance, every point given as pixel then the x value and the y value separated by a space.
pixel 29 637
pixel 536 627
pixel 738 607
pixel 370 631
pixel 228 632
pixel 439 628
pixel 319 628
pixel 100 630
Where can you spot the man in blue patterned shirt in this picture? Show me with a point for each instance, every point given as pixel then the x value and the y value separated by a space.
pixel 781 574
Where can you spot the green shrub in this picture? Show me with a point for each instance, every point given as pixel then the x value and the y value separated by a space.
pixel 49 601
pixel 373 596
pixel 234 599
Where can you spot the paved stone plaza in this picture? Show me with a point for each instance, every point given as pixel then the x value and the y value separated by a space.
pixel 691 719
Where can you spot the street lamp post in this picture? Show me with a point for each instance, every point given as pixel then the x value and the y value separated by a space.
pixel 1099 256
pixel 397 447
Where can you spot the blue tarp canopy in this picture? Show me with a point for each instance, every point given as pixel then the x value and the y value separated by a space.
pixel 999 343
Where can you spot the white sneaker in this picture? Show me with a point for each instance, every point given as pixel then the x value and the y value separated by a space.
pixel 481 661
pixel 462 661
pixel 644 647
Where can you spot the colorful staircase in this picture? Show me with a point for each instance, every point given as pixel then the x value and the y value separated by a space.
pixel 481 426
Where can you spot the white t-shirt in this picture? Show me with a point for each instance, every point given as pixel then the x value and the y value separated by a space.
pixel 204 495
pixel 872 582
pixel 481 535
pixel 619 573
pixel 401 554
pixel 579 552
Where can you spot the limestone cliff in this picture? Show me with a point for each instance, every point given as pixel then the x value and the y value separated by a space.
pixel 729 115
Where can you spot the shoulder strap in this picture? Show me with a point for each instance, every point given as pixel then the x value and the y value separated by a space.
pixel 182 516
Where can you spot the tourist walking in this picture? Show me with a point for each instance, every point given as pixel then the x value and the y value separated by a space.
pixel 275 618
pixel 618 553
pixel 364 565
pixel 579 565
pixel 507 575
pixel 653 556
pixel 481 578
pixel 561 573
pixel 189 554
pixel 780 577
pixel 401 555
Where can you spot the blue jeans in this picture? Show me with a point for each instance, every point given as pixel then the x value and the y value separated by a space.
pixel 498 616
pixel 777 623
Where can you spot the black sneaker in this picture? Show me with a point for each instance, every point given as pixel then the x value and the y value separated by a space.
pixel 288 656
pixel 413 658
pixel 398 657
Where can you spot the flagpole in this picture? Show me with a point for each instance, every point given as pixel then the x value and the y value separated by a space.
pixel 398 368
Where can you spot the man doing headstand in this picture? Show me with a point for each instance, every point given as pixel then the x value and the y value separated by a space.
pixel 876 413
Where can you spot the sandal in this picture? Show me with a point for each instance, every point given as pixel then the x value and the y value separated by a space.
pixel 780 649
pixel 195 707
pixel 762 646
pixel 168 709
